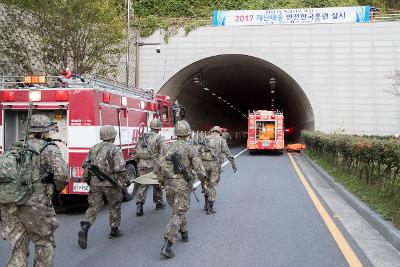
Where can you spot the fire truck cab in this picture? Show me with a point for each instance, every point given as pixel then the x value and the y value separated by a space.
pixel 265 131
pixel 79 108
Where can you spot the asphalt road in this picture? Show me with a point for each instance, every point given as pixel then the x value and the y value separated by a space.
pixel 264 218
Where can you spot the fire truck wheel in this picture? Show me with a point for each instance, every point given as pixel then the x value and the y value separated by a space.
pixel 130 191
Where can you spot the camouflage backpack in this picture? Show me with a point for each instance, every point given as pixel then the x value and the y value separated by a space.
pixel 166 165
pixel 208 149
pixel 16 169
pixel 168 169
pixel 144 149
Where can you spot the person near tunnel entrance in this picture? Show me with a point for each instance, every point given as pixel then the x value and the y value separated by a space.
pixel 212 150
pixel 148 150
pixel 178 183
pixel 108 159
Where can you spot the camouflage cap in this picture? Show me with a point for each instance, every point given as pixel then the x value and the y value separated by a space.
pixel 182 128
pixel 107 132
pixel 40 123
pixel 216 129
pixel 155 124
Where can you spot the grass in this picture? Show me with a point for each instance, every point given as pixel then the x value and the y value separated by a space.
pixel 381 202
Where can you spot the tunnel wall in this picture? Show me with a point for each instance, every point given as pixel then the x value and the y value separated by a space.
pixel 341 68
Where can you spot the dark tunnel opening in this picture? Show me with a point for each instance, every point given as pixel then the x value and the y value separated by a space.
pixel 220 90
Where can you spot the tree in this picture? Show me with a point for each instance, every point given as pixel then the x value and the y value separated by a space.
pixel 46 36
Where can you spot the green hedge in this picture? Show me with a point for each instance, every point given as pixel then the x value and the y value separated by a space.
pixel 374 161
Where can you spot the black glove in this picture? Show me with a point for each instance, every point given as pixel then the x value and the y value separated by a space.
pixel 234 168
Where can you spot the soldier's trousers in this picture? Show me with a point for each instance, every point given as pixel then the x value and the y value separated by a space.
pixel 213 171
pixel 98 194
pixel 24 223
pixel 142 190
pixel 178 197
pixel 142 193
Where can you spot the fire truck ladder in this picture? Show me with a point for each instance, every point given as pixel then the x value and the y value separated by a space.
pixel 106 84
pixel 95 82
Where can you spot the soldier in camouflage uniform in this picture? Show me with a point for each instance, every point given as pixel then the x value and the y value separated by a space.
pixel 177 188
pixel 148 157
pixel 36 220
pixel 108 158
pixel 212 156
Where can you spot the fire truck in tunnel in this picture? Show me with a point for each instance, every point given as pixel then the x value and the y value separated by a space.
pixel 265 131
pixel 79 108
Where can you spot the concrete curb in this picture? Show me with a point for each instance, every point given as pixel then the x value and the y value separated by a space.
pixel 385 228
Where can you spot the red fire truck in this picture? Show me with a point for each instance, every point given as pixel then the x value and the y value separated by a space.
pixel 80 107
pixel 265 131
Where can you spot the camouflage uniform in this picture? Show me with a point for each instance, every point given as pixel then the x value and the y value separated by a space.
pixel 212 162
pixel 146 164
pixel 178 189
pixel 109 159
pixel 36 220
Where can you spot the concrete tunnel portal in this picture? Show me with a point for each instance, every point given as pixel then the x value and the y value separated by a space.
pixel 220 90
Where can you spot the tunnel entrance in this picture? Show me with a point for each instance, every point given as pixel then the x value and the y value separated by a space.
pixel 221 90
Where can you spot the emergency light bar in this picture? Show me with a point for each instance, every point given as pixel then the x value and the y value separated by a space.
pixel 8 96
pixel 124 101
pixel 35 96
pixel 62 95
pixel 35 79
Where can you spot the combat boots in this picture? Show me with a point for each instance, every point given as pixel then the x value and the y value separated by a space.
pixel 160 206
pixel 139 209
pixel 210 208
pixel 185 236
pixel 166 249
pixel 205 202
pixel 115 232
pixel 82 235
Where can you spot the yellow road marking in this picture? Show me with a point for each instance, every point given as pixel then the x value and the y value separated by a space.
pixel 347 251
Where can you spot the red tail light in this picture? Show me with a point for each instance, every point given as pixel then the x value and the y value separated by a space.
pixel 77 172
pixel 106 97
pixel 8 96
pixel 62 95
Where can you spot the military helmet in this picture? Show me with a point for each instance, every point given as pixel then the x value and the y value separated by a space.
pixel 182 128
pixel 155 124
pixel 40 123
pixel 216 129
pixel 107 132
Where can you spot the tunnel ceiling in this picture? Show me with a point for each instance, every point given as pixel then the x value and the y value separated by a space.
pixel 243 81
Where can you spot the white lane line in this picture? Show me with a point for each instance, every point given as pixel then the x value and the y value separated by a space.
pixel 237 155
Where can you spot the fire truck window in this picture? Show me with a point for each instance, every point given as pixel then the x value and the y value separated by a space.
pixel 265 130
pixel 165 113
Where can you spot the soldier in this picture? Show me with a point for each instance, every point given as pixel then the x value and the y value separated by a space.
pixel 36 220
pixel 178 186
pixel 108 158
pixel 148 151
pixel 212 151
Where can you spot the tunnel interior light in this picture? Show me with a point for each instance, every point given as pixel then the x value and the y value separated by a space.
pixel 219 97
pixel 206 89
